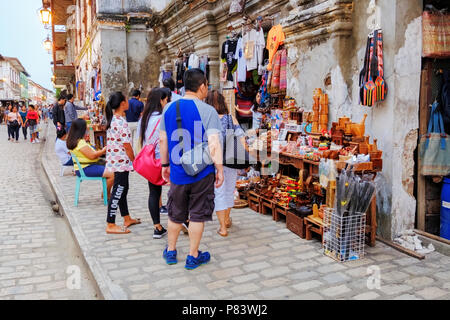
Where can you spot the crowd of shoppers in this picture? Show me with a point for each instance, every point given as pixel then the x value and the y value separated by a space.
pixel 172 125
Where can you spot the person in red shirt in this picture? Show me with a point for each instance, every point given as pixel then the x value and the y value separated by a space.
pixel 32 122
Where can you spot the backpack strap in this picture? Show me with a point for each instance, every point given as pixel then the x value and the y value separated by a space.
pixel 180 129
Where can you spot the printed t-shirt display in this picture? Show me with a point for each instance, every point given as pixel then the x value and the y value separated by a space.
pixel 228 53
pixel 241 61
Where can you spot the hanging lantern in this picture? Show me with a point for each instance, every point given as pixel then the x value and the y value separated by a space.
pixel 45 15
pixel 48 45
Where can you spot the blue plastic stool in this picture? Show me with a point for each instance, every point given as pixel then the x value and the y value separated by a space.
pixel 83 177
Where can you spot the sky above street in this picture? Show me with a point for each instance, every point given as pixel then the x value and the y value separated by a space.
pixel 21 36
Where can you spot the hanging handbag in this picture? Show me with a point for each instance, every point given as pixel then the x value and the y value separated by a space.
pixel 146 163
pixel 434 147
pixel 198 158
pixel 234 153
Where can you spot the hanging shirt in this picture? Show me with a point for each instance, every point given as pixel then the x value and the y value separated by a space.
pixel 249 43
pixel 274 39
pixel 194 61
pixel 241 61
pixel 228 53
pixel 260 46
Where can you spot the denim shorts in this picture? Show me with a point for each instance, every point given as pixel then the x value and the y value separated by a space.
pixel 93 170
pixel 33 129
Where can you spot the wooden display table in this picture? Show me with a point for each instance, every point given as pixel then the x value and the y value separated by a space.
pixel 296 224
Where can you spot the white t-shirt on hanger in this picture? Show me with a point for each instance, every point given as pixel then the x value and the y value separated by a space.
pixel 259 46
pixel 250 39
pixel 242 63
pixel 194 61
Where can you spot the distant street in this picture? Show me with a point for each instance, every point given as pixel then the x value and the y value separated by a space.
pixel 36 247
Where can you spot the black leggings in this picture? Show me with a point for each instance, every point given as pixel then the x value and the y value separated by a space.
pixel 14 132
pixel 24 131
pixel 153 202
pixel 118 198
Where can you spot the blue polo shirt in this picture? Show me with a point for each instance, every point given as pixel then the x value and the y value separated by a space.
pixel 199 121
pixel 135 108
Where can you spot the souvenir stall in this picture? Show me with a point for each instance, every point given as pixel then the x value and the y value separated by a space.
pixel 316 177
pixel 93 98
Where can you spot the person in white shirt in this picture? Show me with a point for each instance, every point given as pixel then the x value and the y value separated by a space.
pixel 61 149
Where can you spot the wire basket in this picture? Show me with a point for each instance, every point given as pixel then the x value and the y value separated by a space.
pixel 343 236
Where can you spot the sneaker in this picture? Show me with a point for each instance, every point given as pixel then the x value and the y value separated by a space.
pixel 163 210
pixel 192 263
pixel 170 256
pixel 37 140
pixel 33 141
pixel 158 234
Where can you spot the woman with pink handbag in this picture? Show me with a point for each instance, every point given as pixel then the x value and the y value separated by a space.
pixel 148 163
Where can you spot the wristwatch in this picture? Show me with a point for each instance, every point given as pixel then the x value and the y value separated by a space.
pixel 165 165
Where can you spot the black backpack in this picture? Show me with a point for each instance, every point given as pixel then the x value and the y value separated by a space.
pixel 445 97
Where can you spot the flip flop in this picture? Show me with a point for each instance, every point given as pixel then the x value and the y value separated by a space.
pixel 230 223
pixel 123 230
pixel 221 234
pixel 137 221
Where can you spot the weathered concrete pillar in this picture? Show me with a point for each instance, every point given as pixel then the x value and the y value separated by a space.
pixel 114 60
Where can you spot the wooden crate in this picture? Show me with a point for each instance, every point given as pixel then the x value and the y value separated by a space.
pixel 253 201
pixel 295 224
pixel 278 211
pixel 266 206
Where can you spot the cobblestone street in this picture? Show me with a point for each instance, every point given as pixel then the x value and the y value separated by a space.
pixel 36 247
pixel 261 259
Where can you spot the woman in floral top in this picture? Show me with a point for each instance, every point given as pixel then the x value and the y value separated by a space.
pixel 119 159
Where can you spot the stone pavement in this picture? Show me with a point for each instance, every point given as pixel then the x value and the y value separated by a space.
pixel 260 259
pixel 35 245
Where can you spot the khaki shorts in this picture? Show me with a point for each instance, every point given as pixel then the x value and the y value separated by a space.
pixel 193 202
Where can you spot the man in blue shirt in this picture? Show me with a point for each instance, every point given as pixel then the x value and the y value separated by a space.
pixel 190 197
pixel 133 114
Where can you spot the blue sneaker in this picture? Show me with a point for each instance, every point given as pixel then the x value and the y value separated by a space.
pixel 192 263
pixel 170 256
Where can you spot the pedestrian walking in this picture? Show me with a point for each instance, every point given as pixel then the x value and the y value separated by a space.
pixel 23 114
pixel 7 111
pixel 148 133
pixel 224 196
pixel 133 114
pixel 59 118
pixel 87 155
pixel 70 111
pixel 119 160
pixel 15 122
pixel 32 123
pixel 190 197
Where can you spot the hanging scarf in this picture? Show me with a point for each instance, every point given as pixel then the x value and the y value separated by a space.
pixel 276 67
pixel 283 70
